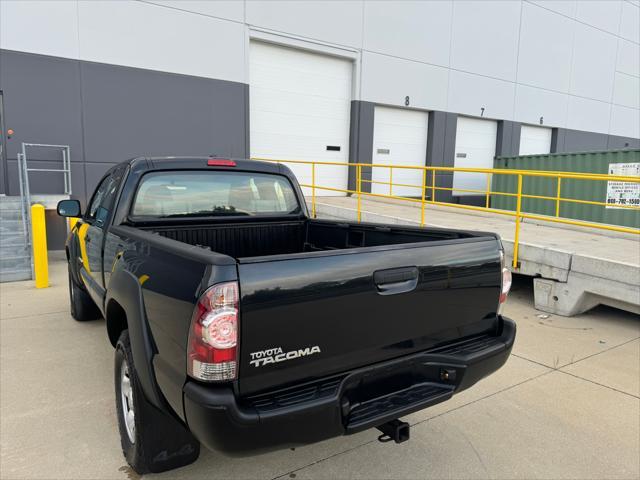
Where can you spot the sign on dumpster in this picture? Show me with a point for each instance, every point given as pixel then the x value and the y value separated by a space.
pixel 620 194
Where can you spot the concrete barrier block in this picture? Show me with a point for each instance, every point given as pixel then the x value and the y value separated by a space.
pixel 582 293
pixel 536 261
pixel 605 268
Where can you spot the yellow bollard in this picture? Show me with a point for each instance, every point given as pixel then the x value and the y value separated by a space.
pixel 39 241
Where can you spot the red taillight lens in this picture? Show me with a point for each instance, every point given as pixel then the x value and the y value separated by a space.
pixel 213 338
pixel 505 281
pixel 219 162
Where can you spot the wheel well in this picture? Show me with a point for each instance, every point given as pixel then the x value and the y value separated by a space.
pixel 116 321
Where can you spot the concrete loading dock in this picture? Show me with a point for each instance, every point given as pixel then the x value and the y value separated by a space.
pixel 574 270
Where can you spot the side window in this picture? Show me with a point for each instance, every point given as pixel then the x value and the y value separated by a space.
pixel 103 200
pixel 97 198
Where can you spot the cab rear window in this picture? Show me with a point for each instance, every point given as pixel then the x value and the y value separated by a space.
pixel 213 193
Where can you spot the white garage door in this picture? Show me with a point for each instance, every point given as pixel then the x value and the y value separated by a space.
pixel 475 148
pixel 300 110
pixel 399 138
pixel 535 140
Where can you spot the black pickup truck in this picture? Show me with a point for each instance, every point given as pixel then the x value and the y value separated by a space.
pixel 241 323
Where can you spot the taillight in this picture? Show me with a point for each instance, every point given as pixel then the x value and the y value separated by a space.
pixel 505 284
pixel 220 162
pixel 213 338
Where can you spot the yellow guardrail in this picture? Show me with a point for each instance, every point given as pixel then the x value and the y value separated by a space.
pixel 432 188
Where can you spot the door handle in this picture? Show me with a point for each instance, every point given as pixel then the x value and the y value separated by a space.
pixel 396 280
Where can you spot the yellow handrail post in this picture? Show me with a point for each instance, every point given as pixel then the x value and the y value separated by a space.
pixel 517 235
pixel 313 189
pixel 433 186
pixel 390 180
pixel 359 189
pixel 424 187
pixel 488 190
pixel 72 222
pixel 558 197
pixel 39 241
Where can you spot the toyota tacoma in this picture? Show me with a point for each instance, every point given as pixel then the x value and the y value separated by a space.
pixel 241 323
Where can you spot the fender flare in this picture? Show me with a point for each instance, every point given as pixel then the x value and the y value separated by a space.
pixel 125 289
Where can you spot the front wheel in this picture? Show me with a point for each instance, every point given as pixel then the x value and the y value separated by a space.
pixel 151 440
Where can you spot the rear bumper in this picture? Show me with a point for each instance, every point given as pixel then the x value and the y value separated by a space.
pixel 342 404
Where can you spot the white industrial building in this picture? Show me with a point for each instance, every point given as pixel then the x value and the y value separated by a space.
pixel 438 83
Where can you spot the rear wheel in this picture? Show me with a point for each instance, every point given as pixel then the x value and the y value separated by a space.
pixel 151 440
pixel 82 306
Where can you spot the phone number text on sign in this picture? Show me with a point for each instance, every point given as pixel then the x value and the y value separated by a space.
pixel 621 194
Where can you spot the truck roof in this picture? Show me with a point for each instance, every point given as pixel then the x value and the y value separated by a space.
pixel 144 164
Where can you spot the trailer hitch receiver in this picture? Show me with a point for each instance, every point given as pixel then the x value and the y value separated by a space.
pixel 395 430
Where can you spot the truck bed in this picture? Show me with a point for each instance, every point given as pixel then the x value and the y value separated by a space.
pixel 357 293
pixel 247 240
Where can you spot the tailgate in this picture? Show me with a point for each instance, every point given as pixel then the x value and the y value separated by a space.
pixel 310 315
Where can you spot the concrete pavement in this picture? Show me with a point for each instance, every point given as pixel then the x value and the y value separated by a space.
pixel 566 405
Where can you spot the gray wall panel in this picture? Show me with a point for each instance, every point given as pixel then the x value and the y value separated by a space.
pixel 361 141
pixel 443 180
pixel 557 140
pixel 441 144
pixel 580 141
pixel 616 143
pixel 450 139
pixel 4 184
pixel 441 139
pixel 508 138
pixel 130 112
pixel 564 140
pixel 436 138
pixel 41 102
pixel 516 136
pixel 78 181
pixel 12 174
pixel 109 113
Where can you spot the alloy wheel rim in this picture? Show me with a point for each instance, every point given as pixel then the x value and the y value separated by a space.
pixel 126 397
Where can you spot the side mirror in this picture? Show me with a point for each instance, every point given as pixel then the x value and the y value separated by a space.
pixel 69 208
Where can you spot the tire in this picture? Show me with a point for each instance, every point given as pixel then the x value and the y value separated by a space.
pixel 83 307
pixel 151 440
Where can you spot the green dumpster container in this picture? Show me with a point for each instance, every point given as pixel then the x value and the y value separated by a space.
pixel 591 190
